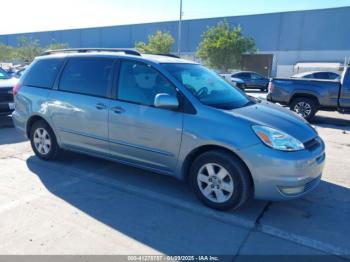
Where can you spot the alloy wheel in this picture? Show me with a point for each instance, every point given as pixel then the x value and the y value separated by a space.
pixel 215 183
pixel 302 108
pixel 42 141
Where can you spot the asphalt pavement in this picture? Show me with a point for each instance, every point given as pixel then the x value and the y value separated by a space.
pixel 87 206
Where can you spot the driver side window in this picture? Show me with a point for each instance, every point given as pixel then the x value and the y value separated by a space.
pixel 139 84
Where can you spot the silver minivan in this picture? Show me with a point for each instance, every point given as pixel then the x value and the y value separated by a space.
pixel 170 116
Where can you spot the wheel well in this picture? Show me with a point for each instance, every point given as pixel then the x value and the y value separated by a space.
pixel 31 121
pixel 198 151
pixel 299 95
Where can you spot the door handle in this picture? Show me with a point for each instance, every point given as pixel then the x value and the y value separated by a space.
pixel 118 110
pixel 101 106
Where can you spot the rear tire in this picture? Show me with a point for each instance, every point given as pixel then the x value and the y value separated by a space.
pixel 220 180
pixel 43 141
pixel 305 107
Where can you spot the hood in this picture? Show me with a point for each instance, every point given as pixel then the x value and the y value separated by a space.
pixel 277 117
pixel 8 82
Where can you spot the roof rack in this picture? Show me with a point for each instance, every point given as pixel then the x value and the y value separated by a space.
pixel 170 55
pixel 127 51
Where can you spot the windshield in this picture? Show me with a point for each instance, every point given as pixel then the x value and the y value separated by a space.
pixel 208 87
pixel 3 74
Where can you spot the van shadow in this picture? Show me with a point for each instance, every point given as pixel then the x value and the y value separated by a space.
pixel 8 134
pixel 320 219
pixel 331 122
pixel 6 121
pixel 127 200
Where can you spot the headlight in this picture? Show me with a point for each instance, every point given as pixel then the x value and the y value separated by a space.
pixel 277 139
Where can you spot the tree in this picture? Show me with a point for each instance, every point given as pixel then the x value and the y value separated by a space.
pixel 159 43
pixel 55 46
pixel 27 49
pixel 222 46
pixel 6 53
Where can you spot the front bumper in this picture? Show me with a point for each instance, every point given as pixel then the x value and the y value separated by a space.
pixel 281 175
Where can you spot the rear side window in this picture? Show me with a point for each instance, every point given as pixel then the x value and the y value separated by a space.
pixel 43 73
pixel 87 76
pixel 243 75
pixel 321 75
pixel 309 76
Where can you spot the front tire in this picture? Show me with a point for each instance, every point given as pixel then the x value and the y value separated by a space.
pixel 220 180
pixel 43 141
pixel 305 107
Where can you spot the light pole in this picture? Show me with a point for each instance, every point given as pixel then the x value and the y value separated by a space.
pixel 179 33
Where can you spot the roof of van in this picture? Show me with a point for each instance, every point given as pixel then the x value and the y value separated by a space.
pixel 160 59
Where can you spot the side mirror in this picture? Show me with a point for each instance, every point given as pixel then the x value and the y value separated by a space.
pixel 166 101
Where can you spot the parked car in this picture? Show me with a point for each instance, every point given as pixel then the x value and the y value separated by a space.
pixel 19 73
pixel 170 116
pixel 318 75
pixel 307 96
pixel 6 97
pixel 234 81
pixel 227 77
pixel 251 80
pixel 238 83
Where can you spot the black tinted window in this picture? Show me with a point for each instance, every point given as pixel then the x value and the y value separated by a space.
pixel 43 73
pixel 321 75
pixel 243 75
pixel 139 83
pixel 309 76
pixel 333 76
pixel 87 76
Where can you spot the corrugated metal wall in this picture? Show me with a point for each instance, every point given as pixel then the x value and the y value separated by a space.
pixel 326 29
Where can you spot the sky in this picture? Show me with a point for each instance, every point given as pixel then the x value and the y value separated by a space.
pixel 42 15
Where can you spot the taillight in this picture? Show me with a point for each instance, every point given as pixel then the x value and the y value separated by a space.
pixel 16 89
pixel 271 87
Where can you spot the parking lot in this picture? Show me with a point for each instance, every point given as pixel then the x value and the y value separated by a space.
pixel 82 205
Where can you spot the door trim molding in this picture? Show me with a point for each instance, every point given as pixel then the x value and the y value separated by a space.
pixel 164 153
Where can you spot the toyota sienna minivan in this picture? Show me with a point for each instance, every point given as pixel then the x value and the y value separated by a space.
pixel 169 116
